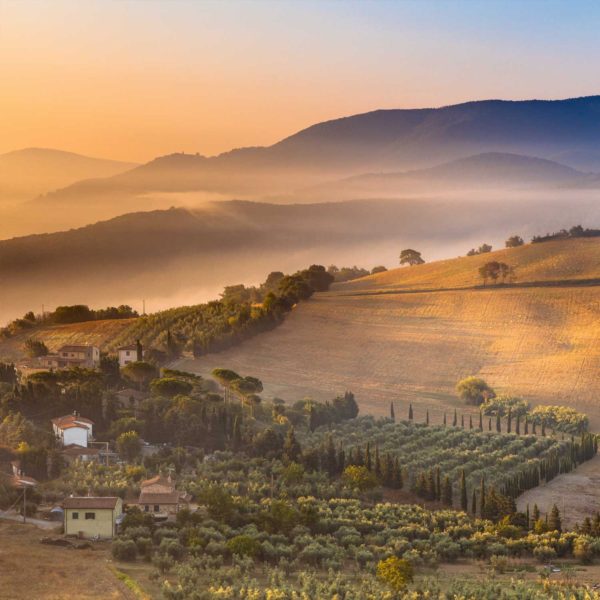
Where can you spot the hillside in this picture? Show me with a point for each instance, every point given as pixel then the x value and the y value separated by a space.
pixel 382 140
pixel 32 171
pixel 97 333
pixel 487 171
pixel 540 342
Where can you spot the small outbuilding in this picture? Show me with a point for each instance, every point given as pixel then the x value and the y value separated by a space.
pixel 92 517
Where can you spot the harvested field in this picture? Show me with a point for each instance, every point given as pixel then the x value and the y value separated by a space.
pixel 29 569
pixel 540 342
pixel 577 494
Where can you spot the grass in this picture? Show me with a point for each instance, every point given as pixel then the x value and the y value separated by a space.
pixel 542 343
pixel 29 569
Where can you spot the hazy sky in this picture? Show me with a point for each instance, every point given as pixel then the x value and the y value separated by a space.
pixel 137 79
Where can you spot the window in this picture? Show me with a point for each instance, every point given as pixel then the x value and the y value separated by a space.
pixel 146 508
pixel 127 352
pixel 75 515
pixel 156 508
pixel 90 516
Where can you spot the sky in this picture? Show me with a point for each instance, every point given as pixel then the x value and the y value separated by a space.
pixel 132 80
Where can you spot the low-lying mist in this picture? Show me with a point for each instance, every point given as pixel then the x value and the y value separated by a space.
pixel 184 256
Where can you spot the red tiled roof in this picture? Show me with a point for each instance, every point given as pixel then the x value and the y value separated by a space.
pixel 76 450
pixel 71 421
pixel 90 502
pixel 158 498
pixel 157 479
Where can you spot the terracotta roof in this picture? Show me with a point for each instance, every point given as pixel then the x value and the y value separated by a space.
pixel 76 450
pixel 154 498
pixel 74 348
pixel 21 481
pixel 90 502
pixel 71 421
pixel 130 347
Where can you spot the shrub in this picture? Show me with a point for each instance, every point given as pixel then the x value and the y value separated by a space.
pixel 474 390
pixel 544 553
pixel 124 549
pixel 396 572
pixel 243 545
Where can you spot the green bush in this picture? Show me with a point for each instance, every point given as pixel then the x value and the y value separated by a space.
pixel 124 549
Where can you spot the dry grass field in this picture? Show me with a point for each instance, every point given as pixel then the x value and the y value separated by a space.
pixel 30 570
pixel 98 333
pixel 384 339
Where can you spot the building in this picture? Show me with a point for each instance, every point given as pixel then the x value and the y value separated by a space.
pixel 92 517
pixel 73 430
pixel 159 497
pixel 87 357
pixel 131 353
pixel 74 452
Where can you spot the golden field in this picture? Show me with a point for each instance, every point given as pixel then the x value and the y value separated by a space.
pixel 385 340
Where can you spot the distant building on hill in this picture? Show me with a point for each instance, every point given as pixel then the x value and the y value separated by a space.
pixel 91 517
pixel 87 357
pixel 130 353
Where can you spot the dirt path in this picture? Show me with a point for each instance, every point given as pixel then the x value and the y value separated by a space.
pixel 576 494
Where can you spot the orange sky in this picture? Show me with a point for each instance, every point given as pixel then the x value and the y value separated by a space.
pixel 135 79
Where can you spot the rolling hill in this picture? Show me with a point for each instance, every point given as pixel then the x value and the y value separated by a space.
pixel 490 170
pixel 27 173
pixel 184 256
pixel 382 140
pixel 408 335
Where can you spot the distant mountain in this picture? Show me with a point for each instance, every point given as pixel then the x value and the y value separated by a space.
pixel 32 171
pixel 490 170
pixel 383 140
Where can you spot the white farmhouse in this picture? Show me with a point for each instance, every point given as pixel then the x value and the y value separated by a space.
pixel 73 429
pixel 129 354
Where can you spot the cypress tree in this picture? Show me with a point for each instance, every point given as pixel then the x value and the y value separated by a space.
pixel 498 423
pixel 554 521
pixel 427 417
pixel 535 514
pixel 430 489
pixel 331 457
pixel 410 412
pixel 445 423
pixel 543 428
pixel 392 412
pixel 526 425
pixel 462 421
pixel 341 459
pixel 388 470
pixel 518 425
pixel 447 492
pixel 464 505
pixel 528 517
pixel 480 421
pixel 533 429
pixel 236 434
pixel 377 463
pixel 473 503
pixel 482 496
pixel 455 419
pixel 368 462
pixel 470 422
pixel 509 421
pixel 398 480
pixel 438 483
pixel 490 424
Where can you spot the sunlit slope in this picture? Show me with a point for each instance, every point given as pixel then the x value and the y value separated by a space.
pixel 539 342
pixel 560 261
pixel 97 333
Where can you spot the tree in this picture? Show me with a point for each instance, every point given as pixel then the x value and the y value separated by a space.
pixel 411 257
pixel 141 373
pixel 410 412
pixel 129 445
pixel 359 477
pixel 494 270
pixel 463 492
pixel 169 387
pixel 291 447
pixel 447 492
pixel 474 390
pixel 35 348
pixel 396 572
pixel 378 269
pixel 554 520
pixel 513 241
pixel 392 412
